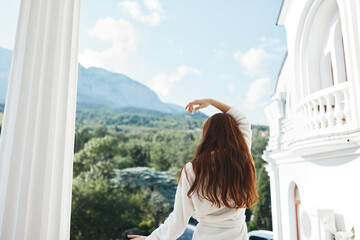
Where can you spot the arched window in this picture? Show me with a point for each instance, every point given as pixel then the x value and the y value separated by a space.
pixel 327 72
pixel 321 53
pixel 297 202
pixel 333 70
pixel 294 211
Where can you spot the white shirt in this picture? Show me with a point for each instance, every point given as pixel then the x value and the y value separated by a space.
pixel 215 223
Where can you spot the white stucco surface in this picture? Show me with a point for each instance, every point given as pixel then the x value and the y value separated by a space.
pixel 314 121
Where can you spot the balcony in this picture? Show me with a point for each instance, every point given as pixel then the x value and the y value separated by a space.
pixel 323 114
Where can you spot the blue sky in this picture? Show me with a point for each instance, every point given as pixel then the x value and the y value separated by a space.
pixel 228 50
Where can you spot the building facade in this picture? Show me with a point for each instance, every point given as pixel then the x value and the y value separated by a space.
pixel 313 152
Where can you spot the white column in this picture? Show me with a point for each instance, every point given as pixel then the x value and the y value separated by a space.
pixel 272 170
pixel 37 138
pixel 350 24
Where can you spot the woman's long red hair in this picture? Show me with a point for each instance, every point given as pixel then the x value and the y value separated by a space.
pixel 223 166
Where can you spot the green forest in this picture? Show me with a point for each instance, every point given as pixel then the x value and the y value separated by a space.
pixel 126 166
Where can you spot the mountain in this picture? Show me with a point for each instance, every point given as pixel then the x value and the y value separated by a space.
pixel 100 88
pixel 96 85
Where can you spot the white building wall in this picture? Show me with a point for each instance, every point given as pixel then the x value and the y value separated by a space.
pixel 321 186
pixel 315 142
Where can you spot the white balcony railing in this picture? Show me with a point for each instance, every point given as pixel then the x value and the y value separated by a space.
pixel 326 111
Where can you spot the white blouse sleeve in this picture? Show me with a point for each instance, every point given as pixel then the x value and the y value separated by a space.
pixel 243 123
pixel 176 223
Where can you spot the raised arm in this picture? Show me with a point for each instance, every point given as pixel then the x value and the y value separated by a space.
pixel 203 103
pixel 243 124
pixel 241 119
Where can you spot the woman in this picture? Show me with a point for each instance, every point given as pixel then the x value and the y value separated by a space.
pixel 218 184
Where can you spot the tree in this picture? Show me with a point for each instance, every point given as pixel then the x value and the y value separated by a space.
pixel 139 154
pixel 260 214
pixel 95 150
pixel 159 159
pixel 100 211
pixel 82 136
pixel 108 204
pixel 159 189
pixel 262 209
pixel 258 146
pixel 100 131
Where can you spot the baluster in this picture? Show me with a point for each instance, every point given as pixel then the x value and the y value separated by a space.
pixel 339 113
pixel 330 117
pixel 322 117
pixel 347 112
pixel 316 114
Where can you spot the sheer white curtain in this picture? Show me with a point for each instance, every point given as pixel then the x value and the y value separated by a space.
pixel 36 148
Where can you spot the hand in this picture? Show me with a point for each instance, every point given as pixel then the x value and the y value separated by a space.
pixel 202 103
pixel 136 237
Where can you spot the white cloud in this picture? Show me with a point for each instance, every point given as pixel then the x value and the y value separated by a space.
pixel 253 60
pixel 258 92
pixel 153 5
pixel 162 83
pixel 115 31
pixel 181 72
pixel 134 10
pixel 123 37
pixel 257 60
